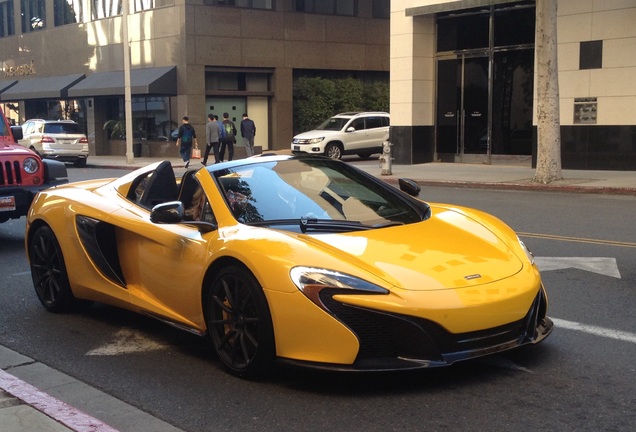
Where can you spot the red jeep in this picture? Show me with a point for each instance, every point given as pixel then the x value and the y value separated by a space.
pixel 22 173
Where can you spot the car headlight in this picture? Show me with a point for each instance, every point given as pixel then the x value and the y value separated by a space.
pixel 311 281
pixel 527 251
pixel 30 165
pixel 315 140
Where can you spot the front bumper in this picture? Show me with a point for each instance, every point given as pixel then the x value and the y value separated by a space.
pixel 309 148
pixel 391 341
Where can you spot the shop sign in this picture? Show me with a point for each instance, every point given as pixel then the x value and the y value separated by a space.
pixel 20 71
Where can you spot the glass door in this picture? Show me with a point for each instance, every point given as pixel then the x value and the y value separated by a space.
pixel 462 107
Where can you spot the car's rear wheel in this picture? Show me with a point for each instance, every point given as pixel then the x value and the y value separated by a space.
pixel 333 151
pixel 80 162
pixel 49 271
pixel 239 322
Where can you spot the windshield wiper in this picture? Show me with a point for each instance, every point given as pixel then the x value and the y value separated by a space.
pixel 325 225
pixel 330 225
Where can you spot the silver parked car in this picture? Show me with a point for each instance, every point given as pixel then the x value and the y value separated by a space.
pixel 63 140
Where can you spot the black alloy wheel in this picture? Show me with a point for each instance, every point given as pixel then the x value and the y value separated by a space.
pixel 239 323
pixel 49 272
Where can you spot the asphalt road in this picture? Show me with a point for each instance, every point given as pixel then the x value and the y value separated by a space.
pixel 581 378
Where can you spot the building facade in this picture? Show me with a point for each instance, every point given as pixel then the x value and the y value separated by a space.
pixel 463 74
pixel 65 59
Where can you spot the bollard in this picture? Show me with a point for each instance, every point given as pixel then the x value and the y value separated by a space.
pixel 386 161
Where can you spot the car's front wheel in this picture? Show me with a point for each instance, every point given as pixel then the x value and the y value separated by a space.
pixel 239 322
pixel 49 271
pixel 333 151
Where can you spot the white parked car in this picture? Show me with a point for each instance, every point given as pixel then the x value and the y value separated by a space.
pixel 63 140
pixel 361 133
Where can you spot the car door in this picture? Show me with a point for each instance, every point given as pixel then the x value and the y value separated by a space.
pixel 357 138
pixel 163 264
pixel 377 128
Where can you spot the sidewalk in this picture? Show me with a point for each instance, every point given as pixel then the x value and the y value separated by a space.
pixel 454 174
pixel 36 398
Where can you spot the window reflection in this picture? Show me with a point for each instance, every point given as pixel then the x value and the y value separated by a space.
pixel 33 15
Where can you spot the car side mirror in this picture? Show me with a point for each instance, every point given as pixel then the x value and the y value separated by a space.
pixel 409 186
pixel 167 213
pixel 173 212
pixel 16 131
pixel 350 129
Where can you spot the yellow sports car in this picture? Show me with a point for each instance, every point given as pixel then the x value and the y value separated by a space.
pixel 297 259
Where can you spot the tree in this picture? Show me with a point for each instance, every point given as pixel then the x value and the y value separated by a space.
pixel 548 125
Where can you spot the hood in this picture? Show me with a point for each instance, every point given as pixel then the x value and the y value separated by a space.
pixel 317 133
pixel 448 251
pixel 9 147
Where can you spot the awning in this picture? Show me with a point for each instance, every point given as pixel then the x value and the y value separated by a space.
pixel 6 84
pixel 450 6
pixel 155 81
pixel 41 88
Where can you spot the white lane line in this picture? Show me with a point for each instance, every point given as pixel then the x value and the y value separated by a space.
pixel 63 413
pixel 595 330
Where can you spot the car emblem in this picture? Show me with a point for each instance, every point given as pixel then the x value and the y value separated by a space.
pixel 472 276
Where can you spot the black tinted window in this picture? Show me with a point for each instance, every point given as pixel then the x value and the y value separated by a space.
pixel 68 128
pixel 374 122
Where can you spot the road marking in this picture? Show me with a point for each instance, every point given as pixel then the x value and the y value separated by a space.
pixel 127 342
pixel 604 266
pixel 63 413
pixel 579 239
pixel 595 330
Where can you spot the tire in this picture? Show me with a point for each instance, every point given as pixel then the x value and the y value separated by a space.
pixel 80 162
pixel 49 271
pixel 333 151
pixel 364 155
pixel 239 323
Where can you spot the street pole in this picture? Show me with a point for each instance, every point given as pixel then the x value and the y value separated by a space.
pixel 127 92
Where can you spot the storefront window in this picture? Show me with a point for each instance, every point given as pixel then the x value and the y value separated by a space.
pixel 6 18
pixel 463 32
pixel 151 119
pixel 33 15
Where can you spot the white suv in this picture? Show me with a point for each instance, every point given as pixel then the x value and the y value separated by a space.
pixel 361 133
pixel 63 140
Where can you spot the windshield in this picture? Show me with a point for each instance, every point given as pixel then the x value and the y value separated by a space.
pixel 333 124
pixel 284 192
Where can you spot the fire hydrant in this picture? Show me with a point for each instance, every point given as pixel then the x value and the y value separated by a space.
pixel 385 158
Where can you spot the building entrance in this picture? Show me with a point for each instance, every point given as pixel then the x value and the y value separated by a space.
pixel 462 107
pixel 485 76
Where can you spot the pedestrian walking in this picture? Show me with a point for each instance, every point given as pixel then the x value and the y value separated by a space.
pixel 230 138
pixel 248 132
pixel 211 139
pixel 186 138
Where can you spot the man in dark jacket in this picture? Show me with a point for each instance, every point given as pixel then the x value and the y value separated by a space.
pixel 186 139
pixel 229 139
pixel 248 132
